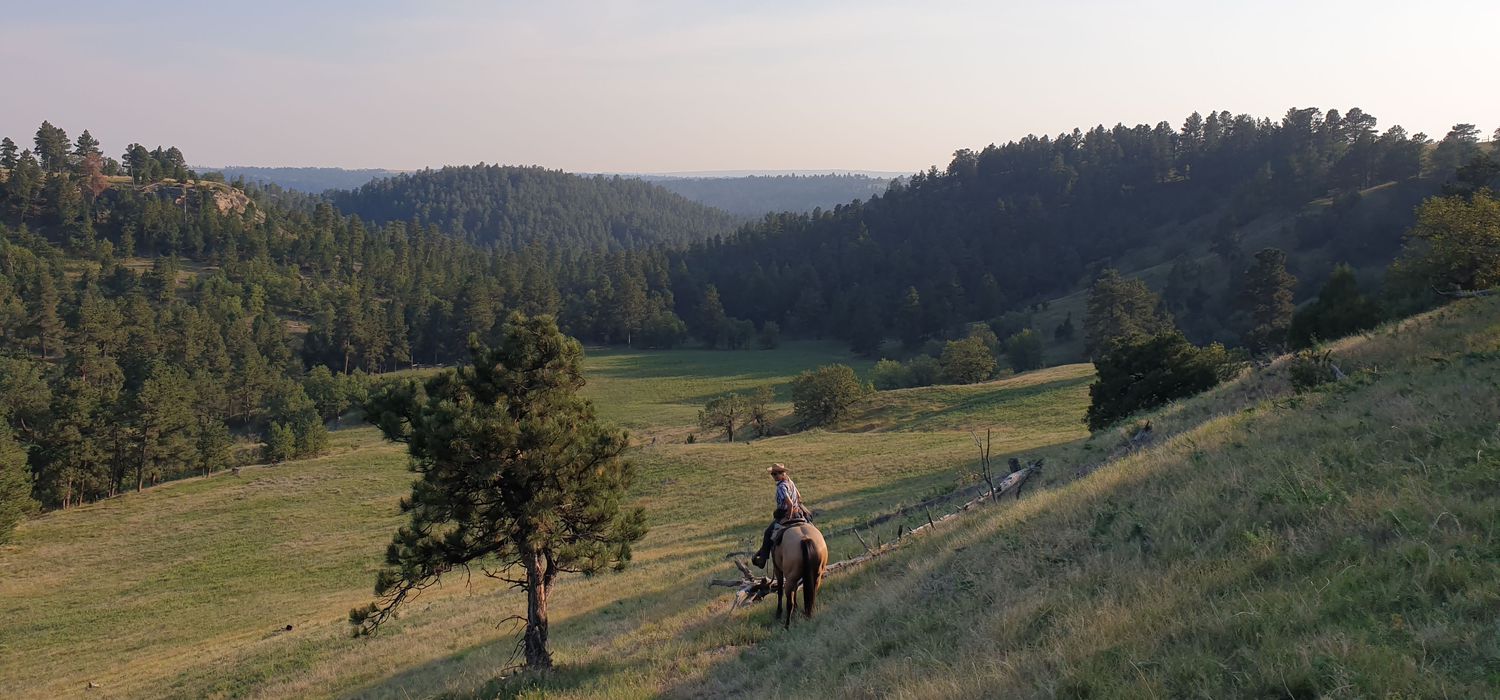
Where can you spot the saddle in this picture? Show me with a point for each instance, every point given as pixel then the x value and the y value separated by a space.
pixel 782 527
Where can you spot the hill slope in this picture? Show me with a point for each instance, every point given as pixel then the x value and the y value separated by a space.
pixel 1336 543
pixel 515 207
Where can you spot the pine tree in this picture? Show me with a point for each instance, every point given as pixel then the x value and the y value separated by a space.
pixel 163 414
pixel 1120 308
pixel 514 468
pixel 86 145
pixel 1267 295
pixel 8 157
pixel 15 484
pixel 711 318
pixel 43 321
pixel 911 322
pixel 52 147
pixel 1339 311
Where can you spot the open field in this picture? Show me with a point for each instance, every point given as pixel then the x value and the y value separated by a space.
pixel 186 590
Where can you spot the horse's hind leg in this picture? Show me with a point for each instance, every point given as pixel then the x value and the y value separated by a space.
pixel 780 590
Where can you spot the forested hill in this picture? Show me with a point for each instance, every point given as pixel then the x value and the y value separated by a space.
pixel 1010 225
pixel 753 196
pixel 515 207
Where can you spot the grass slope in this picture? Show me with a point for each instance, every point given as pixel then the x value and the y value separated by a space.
pixel 185 590
pixel 1341 543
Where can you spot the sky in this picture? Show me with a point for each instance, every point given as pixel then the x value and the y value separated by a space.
pixel 663 86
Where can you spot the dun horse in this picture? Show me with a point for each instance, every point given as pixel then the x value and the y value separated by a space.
pixel 800 559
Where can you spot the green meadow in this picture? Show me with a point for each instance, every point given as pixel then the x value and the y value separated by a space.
pixel 1335 543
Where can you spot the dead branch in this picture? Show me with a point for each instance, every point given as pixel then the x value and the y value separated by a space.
pixel 1467 293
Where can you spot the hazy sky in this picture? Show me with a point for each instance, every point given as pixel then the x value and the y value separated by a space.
pixel 670 86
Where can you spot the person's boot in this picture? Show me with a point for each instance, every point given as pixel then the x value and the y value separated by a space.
pixel 759 560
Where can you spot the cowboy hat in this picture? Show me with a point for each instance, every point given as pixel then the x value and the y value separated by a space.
pixel 777 468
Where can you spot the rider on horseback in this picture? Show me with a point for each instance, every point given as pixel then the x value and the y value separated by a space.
pixel 789 509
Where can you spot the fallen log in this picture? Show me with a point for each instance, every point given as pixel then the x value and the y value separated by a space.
pixel 752 588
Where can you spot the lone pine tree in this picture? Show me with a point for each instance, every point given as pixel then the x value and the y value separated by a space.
pixel 516 473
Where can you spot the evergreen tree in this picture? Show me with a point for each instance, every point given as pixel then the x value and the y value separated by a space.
pixel 280 443
pixel 712 321
pixel 514 469
pixel 1065 331
pixel 910 319
pixel 1139 373
pixel 8 157
pixel 1339 311
pixel 15 484
pixel 52 147
pixel 1120 308
pixel 86 145
pixel 165 423
pixel 1267 295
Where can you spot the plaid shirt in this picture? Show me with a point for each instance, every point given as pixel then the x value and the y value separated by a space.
pixel 788 500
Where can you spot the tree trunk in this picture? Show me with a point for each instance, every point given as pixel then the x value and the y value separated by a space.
pixel 537 583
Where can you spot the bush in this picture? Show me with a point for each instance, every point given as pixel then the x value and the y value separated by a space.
pixel 923 370
pixel 888 374
pixel 1024 350
pixel 967 361
pixel 1145 372
pixel 663 329
pixel 824 395
pixel 1309 370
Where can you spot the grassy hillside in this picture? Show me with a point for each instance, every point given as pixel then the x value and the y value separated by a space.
pixel 1341 543
pixel 186 590
pixel 1337 543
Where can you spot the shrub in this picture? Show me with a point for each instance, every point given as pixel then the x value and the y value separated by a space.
pixel 1144 372
pixel 824 395
pixel 888 374
pixel 1310 369
pixel 923 370
pixel 967 361
pixel 663 329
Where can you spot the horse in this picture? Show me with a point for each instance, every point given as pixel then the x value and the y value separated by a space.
pixel 800 559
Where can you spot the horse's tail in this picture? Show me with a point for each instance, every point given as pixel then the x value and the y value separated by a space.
pixel 810 571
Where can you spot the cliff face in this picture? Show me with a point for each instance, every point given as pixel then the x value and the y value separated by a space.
pixel 226 199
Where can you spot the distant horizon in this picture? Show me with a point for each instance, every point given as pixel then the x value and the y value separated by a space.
pixel 672 86
pixel 726 173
